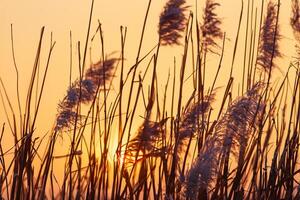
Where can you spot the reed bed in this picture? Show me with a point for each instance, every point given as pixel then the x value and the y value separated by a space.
pixel 214 143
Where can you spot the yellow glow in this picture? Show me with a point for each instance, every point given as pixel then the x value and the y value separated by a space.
pixel 113 145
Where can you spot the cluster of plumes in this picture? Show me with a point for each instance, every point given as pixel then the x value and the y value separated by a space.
pixel 232 131
pixel 83 92
pixel 210 28
pixel 172 22
pixel 189 120
pixel 147 142
pixel 269 39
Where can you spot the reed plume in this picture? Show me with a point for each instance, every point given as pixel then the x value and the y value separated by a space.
pixel 236 124
pixel 232 131
pixel 83 92
pixel 204 168
pixel 210 28
pixel 236 127
pixel 295 19
pixel 269 39
pixel 190 117
pixel 172 22
pixel 147 141
pixel 295 24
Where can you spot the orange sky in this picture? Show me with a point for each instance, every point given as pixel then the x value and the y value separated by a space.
pixel 60 17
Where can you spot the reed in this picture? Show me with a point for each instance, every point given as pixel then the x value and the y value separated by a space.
pixel 195 140
pixel 269 40
pixel 172 22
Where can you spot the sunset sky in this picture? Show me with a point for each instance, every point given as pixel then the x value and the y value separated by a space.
pixel 61 17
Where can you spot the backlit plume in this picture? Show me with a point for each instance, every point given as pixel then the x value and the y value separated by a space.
pixel 295 24
pixel 295 19
pixel 241 116
pixel 204 168
pixel 269 39
pixel 231 133
pixel 172 22
pixel 211 25
pixel 189 120
pixel 147 142
pixel 83 92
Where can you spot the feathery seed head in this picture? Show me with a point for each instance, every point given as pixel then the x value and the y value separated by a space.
pixel 189 120
pixel 172 22
pixel 101 72
pixel 211 25
pixel 241 116
pixel 64 118
pixel 295 19
pixel 88 86
pixel 295 23
pixel 147 141
pixel 231 130
pixel 73 94
pixel 147 136
pixel 269 40
pixel 84 91
pixel 204 169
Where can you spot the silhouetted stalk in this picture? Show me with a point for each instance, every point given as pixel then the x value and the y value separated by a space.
pixel 171 181
pixel 17 73
pixel 237 39
pixel 137 62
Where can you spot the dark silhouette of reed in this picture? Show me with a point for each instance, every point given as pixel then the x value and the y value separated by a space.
pixel 239 141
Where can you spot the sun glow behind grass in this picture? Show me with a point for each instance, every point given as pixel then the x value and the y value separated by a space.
pixel 113 154
pixel 160 167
